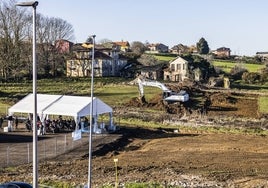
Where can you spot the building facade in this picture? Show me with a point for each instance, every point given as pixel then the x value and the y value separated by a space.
pixel 107 62
pixel 177 70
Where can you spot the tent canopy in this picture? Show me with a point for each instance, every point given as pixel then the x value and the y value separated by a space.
pixel 75 106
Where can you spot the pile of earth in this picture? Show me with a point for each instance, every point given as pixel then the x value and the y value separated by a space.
pixel 226 108
pixel 214 104
pixel 160 156
pixel 237 105
pixel 187 159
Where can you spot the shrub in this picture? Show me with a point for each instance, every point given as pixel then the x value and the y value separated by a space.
pixel 251 77
pixel 237 72
pixel 264 74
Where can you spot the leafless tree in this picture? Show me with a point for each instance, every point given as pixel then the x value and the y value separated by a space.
pixel 138 47
pixel 16 41
pixel 147 60
pixel 104 41
pixel 12 29
pixel 50 30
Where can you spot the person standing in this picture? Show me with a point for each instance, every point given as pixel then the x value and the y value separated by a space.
pixel 16 122
pixel 1 121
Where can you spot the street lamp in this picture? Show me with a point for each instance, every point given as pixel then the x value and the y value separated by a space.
pixel 33 4
pixel 91 116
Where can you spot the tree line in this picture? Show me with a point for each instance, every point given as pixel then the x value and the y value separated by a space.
pixel 16 42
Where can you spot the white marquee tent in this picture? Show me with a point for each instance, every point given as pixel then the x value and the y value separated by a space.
pixel 75 106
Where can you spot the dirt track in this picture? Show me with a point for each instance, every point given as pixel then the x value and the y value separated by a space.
pixel 187 158
pixel 192 159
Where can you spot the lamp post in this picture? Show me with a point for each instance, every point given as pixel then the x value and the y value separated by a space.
pixel 33 4
pixel 91 116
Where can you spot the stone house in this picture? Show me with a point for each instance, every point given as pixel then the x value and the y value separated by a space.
pixel 262 55
pixel 177 70
pixel 107 62
pixel 222 52
pixel 182 49
pixel 154 72
pixel 63 46
pixel 157 48
pixel 124 46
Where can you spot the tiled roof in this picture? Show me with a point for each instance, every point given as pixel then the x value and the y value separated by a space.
pixel 223 49
pixel 122 43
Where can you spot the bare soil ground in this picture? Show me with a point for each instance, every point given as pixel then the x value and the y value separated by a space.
pixel 187 158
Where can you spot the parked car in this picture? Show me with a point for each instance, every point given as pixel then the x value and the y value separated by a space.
pixel 15 185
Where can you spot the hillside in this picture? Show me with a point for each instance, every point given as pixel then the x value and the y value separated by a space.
pixel 222 145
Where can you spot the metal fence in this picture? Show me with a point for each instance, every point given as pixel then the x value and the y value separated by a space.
pixel 12 154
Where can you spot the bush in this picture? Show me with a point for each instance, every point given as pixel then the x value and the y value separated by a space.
pixel 237 72
pixel 251 77
pixel 264 74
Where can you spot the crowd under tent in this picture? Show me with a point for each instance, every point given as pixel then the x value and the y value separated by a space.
pixel 64 105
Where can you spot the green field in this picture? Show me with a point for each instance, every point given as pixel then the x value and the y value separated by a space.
pixel 164 58
pixel 263 104
pixel 226 66
pixel 113 91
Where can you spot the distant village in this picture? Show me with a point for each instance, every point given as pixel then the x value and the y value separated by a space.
pixel 110 60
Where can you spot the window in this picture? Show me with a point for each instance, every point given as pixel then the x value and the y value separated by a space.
pixel 72 65
pixel 178 67
pixel 172 67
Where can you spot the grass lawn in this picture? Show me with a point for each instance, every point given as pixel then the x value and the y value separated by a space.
pixel 228 65
pixel 3 108
pixel 111 90
pixel 164 58
pixel 263 104
pixel 121 94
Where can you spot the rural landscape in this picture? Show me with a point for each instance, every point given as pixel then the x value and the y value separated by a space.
pixel 178 116
pixel 156 144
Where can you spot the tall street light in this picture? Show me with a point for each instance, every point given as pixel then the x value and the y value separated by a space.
pixel 91 109
pixel 91 117
pixel 33 4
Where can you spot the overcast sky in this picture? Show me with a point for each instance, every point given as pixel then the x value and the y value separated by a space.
pixel 241 25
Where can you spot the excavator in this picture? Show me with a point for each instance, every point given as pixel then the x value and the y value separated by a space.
pixel 168 95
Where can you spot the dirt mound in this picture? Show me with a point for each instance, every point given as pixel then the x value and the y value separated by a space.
pixel 135 102
pixel 155 103
pixel 222 99
pixel 184 159
pixel 221 103
pixel 238 105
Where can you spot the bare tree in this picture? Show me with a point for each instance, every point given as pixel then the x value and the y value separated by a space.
pixel 12 28
pixel 16 41
pixel 138 47
pixel 103 41
pixel 50 30
pixel 147 60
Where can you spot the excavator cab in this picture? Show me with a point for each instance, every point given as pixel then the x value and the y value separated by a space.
pixel 166 94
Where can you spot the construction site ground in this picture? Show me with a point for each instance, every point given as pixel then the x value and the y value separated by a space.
pixel 167 156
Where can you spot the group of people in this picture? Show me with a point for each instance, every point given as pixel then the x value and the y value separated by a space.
pixel 10 118
pixel 52 126
pixel 58 125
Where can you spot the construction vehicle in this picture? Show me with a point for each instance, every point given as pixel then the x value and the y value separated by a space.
pixel 168 95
